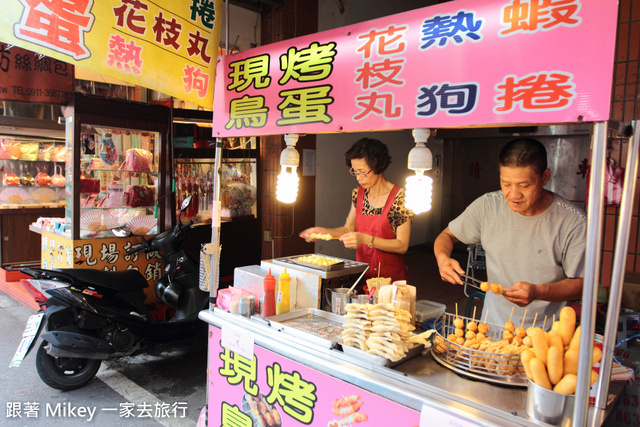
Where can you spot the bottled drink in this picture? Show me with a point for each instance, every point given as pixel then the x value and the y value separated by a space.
pixel 269 302
pixel 282 303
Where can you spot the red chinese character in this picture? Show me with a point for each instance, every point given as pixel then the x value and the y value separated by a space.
pixel 57 25
pixel 125 56
pixel 369 104
pixel 198 46
pixel 169 29
pixel 195 79
pixel 377 74
pixel 537 15
pixel 537 91
pixel 389 41
pixel 128 11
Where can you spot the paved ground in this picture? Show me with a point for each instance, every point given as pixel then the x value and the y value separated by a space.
pixel 169 376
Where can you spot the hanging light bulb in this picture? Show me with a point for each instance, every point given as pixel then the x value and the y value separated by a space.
pixel 419 188
pixel 287 186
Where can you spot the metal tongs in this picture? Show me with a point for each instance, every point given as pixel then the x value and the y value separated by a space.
pixel 471 281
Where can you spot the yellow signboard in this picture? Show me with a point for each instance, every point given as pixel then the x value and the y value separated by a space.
pixel 166 45
pixel 101 254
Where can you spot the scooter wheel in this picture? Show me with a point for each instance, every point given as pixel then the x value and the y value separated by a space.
pixel 64 373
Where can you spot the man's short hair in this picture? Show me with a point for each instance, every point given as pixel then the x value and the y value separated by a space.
pixel 523 152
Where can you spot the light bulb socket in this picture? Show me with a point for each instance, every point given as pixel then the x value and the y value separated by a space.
pixel 289 157
pixel 420 158
pixel 421 134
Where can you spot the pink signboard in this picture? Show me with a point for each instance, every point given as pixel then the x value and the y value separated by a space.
pixel 273 391
pixel 456 64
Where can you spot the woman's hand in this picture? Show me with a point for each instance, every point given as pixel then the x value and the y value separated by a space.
pixel 354 239
pixel 306 234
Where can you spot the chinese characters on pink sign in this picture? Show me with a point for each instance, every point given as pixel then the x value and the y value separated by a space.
pixel 456 64
pixel 273 391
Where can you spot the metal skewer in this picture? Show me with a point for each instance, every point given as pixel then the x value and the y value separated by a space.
pixel 469 281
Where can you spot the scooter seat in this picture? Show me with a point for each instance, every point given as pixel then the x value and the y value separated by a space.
pixel 119 281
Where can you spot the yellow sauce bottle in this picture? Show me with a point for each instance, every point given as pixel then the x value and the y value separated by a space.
pixel 282 301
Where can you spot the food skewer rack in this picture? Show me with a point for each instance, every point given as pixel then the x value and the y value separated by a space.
pixel 497 368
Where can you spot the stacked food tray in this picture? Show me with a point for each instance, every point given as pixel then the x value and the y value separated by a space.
pixel 499 368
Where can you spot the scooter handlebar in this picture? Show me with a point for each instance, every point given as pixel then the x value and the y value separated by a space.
pixel 139 247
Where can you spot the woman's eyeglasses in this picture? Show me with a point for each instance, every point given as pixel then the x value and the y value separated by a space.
pixel 361 174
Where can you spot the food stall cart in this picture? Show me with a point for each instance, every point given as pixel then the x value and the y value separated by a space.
pixel 261 373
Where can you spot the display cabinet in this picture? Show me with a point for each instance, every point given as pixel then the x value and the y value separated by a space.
pixel 118 168
pixel 32 172
pixel 32 186
pixel 193 153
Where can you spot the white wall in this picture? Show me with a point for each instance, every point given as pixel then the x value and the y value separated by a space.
pixel 333 182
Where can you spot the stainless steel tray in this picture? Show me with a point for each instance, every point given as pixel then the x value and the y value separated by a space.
pixel 376 360
pixel 332 267
pixel 350 266
pixel 311 324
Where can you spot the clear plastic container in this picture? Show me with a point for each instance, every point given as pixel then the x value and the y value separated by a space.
pixel 428 310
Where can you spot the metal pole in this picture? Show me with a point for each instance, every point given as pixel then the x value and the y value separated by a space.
pixel 215 225
pixel 619 267
pixel 592 258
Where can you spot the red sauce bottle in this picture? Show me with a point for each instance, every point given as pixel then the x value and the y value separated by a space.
pixel 269 303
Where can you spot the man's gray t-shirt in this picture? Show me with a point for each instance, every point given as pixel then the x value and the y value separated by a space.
pixel 543 248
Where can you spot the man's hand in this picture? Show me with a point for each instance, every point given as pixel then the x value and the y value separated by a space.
pixel 450 271
pixel 522 293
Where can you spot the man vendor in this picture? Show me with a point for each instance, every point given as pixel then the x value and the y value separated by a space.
pixel 534 240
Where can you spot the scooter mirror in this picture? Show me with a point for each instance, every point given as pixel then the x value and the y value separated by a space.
pixel 185 204
pixel 121 232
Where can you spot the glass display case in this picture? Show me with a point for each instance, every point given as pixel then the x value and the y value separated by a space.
pixel 118 180
pixel 32 172
pixel 118 168
pixel 238 183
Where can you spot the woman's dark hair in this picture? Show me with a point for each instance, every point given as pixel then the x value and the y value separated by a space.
pixel 522 152
pixel 374 152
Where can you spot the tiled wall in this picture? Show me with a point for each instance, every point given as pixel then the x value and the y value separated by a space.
pixel 285 221
pixel 625 107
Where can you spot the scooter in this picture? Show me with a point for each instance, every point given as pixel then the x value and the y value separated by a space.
pixel 94 315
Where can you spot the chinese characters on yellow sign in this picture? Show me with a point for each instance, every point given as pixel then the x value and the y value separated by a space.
pixel 100 254
pixel 168 46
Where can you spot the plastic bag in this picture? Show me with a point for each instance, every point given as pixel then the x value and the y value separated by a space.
pixel 613 183
pixel 42 178
pixel 138 160
pixel 9 150
pixel 29 151
pixel 10 179
pixel 58 153
pixel 58 180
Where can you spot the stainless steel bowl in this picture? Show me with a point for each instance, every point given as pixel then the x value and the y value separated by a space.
pixel 548 406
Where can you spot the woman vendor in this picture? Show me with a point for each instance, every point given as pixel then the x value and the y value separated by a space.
pixel 378 225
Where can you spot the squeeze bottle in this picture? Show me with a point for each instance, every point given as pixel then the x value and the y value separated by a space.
pixel 282 302
pixel 269 303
